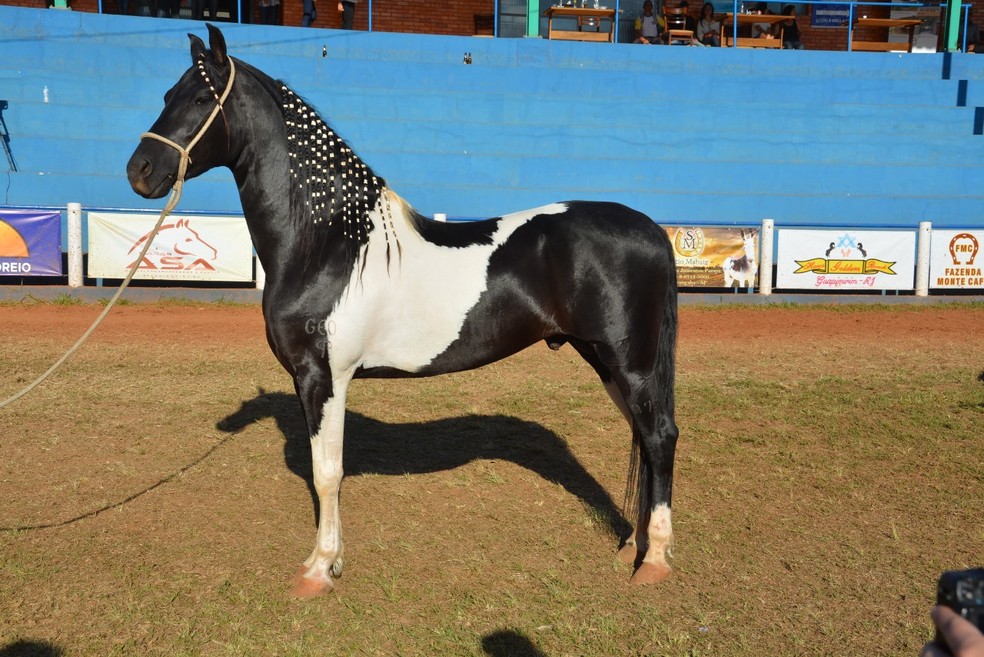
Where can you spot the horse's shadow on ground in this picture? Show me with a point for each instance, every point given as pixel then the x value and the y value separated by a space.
pixel 374 447
pixel 23 648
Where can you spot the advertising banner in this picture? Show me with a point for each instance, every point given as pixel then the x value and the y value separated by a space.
pixel 955 260
pixel 30 243
pixel 846 260
pixel 829 15
pixel 715 257
pixel 185 249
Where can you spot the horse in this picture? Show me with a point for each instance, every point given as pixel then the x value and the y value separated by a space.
pixel 395 294
pixel 743 268
pixel 175 244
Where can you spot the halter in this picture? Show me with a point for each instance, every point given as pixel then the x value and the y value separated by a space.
pixel 185 152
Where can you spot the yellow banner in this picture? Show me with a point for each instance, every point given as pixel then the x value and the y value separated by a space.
pixel 824 266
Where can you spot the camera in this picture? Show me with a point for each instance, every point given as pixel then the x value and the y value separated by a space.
pixel 963 592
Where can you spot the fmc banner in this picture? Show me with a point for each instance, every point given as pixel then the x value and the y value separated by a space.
pixel 715 257
pixel 846 259
pixel 955 259
pixel 30 243
pixel 185 249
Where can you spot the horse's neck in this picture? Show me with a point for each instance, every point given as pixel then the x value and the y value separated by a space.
pixel 306 195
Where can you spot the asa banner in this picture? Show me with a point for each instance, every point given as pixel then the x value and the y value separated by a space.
pixel 955 260
pixel 846 259
pixel 715 257
pixel 30 243
pixel 185 249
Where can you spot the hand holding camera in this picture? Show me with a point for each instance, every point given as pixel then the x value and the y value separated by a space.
pixel 958 616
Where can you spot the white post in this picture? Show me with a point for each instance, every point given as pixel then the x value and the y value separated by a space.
pixel 260 275
pixel 766 239
pixel 440 216
pixel 923 238
pixel 74 244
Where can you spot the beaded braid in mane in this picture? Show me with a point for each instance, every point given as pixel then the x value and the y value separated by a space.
pixel 334 184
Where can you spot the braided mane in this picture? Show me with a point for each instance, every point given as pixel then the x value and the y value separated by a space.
pixel 335 185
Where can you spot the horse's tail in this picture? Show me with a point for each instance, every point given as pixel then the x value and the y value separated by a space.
pixel 637 489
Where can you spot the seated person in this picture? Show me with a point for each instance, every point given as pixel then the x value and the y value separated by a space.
pixel 762 30
pixel 708 27
pixel 648 26
pixel 973 37
pixel 691 23
pixel 790 30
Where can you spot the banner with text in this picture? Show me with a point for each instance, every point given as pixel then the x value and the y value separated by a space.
pixel 30 243
pixel 955 260
pixel 845 260
pixel 715 257
pixel 185 249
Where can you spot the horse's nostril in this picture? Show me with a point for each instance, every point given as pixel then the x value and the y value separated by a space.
pixel 146 168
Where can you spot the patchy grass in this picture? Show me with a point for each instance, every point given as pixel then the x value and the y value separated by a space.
pixel 828 470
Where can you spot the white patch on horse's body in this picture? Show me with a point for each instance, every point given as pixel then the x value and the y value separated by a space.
pixel 404 312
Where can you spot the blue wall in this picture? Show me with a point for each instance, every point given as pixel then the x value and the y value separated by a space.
pixel 688 135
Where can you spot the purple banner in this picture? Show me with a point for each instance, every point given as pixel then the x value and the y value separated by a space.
pixel 30 243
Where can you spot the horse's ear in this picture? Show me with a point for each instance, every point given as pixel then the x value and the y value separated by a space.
pixel 217 43
pixel 197 48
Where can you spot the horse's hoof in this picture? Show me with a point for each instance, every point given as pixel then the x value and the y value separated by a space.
pixel 628 554
pixel 650 573
pixel 306 588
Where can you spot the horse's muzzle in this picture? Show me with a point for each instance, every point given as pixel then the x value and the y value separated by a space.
pixel 145 179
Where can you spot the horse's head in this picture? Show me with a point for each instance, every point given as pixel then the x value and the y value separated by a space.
pixel 193 125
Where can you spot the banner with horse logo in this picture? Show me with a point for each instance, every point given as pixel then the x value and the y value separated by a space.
pixel 30 243
pixel 955 259
pixel 186 248
pixel 715 257
pixel 846 259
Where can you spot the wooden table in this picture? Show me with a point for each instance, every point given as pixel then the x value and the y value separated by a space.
pixel 581 12
pixel 883 23
pixel 727 32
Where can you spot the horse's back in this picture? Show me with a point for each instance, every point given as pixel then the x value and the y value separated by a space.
pixel 592 240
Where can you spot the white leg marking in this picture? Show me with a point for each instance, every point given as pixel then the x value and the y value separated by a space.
pixel 326 457
pixel 660 533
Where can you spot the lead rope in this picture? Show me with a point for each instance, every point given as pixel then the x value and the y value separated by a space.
pixel 171 203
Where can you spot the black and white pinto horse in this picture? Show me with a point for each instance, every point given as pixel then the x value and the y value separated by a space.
pixel 399 295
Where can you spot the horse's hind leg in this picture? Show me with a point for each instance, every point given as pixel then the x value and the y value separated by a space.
pixel 657 436
pixel 643 373
pixel 628 552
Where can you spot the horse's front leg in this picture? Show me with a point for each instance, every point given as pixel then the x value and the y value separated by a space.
pixel 327 424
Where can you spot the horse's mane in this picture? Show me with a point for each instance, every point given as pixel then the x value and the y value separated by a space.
pixel 332 189
pixel 335 184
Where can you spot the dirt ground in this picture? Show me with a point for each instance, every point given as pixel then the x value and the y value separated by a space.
pixel 155 495
pixel 237 326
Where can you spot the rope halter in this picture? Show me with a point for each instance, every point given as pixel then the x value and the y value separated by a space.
pixel 185 152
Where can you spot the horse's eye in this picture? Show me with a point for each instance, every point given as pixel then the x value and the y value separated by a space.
pixel 201 100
